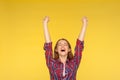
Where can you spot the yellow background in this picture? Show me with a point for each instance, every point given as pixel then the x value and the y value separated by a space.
pixel 21 37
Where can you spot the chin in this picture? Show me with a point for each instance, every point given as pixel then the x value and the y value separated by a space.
pixel 63 54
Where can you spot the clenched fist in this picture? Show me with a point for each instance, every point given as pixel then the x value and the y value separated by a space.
pixel 46 19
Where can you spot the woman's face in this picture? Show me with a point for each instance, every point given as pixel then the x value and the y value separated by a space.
pixel 62 48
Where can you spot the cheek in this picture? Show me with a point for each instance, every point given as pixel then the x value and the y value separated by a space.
pixel 58 48
pixel 67 48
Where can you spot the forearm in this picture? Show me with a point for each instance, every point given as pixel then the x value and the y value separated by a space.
pixel 46 33
pixel 82 33
pixel 83 30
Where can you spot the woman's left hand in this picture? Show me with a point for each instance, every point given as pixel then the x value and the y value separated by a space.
pixel 85 21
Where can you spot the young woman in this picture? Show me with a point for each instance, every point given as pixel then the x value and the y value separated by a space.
pixel 63 66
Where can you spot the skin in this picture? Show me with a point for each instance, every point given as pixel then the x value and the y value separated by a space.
pixel 62 44
pixel 63 49
pixel 81 34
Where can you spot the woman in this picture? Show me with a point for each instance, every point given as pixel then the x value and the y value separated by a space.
pixel 64 65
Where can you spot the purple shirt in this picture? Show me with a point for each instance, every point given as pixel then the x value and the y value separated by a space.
pixel 56 67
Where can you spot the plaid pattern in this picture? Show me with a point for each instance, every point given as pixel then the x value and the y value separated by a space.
pixel 56 67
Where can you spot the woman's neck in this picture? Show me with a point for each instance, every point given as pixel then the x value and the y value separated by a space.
pixel 63 59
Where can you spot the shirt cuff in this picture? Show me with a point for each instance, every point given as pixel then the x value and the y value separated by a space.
pixel 79 42
pixel 47 46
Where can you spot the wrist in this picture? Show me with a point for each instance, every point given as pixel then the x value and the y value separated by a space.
pixel 84 25
pixel 45 23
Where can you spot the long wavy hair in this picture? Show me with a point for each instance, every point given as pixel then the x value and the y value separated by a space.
pixel 56 55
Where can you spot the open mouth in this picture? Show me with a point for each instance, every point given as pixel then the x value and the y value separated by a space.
pixel 62 50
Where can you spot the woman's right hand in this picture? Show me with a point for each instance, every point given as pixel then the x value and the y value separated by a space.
pixel 46 19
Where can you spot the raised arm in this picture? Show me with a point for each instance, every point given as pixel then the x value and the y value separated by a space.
pixel 46 32
pixel 48 44
pixel 80 43
pixel 83 30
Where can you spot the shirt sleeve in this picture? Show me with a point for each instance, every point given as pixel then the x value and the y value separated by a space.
pixel 48 54
pixel 78 52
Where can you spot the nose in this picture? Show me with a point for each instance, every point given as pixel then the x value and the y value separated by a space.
pixel 62 45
